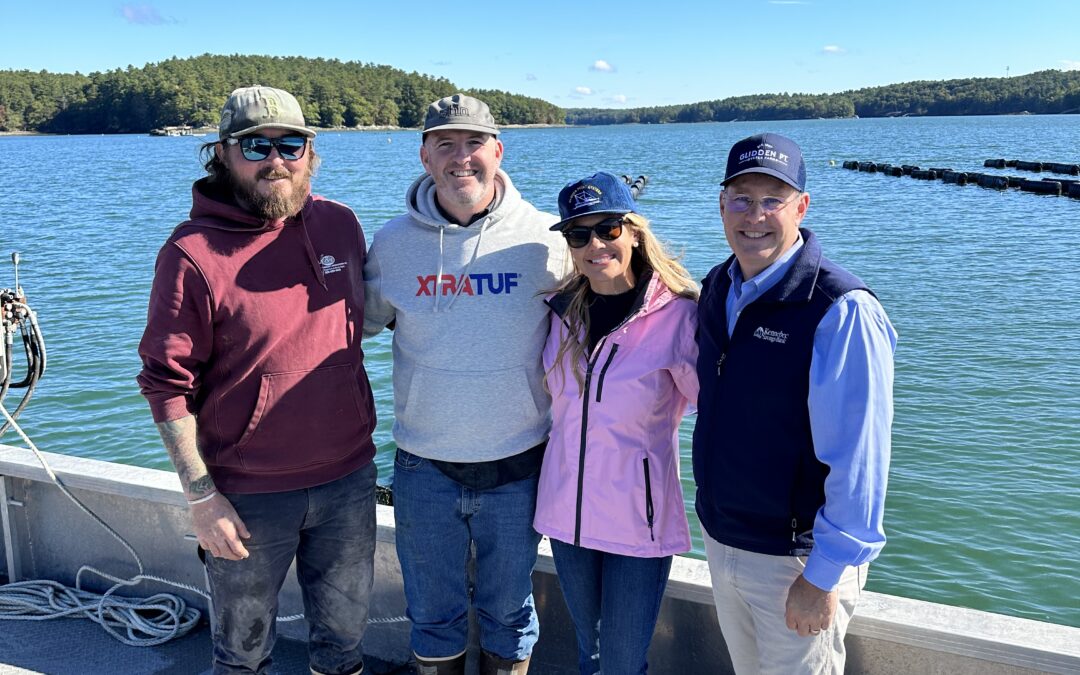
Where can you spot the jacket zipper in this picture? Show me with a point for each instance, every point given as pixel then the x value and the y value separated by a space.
pixel 584 437
pixel 603 371
pixel 648 498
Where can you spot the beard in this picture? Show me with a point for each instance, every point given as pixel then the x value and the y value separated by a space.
pixel 278 203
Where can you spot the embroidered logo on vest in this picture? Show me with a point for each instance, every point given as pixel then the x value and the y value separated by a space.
pixel 770 335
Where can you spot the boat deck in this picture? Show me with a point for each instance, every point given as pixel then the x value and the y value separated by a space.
pixel 62 646
pixel 46 537
pixel 68 646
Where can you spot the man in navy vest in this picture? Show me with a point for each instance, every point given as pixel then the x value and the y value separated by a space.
pixel 791 447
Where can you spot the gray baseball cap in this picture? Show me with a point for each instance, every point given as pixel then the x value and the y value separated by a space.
pixel 460 112
pixel 251 109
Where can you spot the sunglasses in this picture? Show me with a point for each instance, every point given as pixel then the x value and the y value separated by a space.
pixel 608 229
pixel 257 148
pixel 769 205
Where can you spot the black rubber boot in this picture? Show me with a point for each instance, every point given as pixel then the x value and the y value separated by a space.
pixel 495 665
pixel 451 666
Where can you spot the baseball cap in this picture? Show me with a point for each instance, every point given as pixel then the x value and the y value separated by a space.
pixel 251 109
pixel 770 154
pixel 460 112
pixel 599 193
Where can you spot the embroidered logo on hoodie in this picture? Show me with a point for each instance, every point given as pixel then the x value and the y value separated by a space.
pixel 330 264
pixel 490 283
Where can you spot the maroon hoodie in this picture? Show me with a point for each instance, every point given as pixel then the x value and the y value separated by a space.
pixel 254 327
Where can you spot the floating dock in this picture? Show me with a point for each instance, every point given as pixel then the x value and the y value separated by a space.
pixel 1061 187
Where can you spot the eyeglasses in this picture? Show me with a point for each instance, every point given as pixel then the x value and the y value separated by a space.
pixel 769 205
pixel 608 229
pixel 257 148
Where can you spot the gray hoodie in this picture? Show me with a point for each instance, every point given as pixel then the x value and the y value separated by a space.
pixel 470 323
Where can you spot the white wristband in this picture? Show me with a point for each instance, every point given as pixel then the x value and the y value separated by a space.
pixel 203 499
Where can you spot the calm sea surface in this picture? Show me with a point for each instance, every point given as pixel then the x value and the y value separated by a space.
pixel 983 287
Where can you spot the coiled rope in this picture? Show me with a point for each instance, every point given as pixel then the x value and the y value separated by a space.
pixel 148 622
pixel 144 622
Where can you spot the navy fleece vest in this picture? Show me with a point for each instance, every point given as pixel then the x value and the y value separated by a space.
pixel 759 482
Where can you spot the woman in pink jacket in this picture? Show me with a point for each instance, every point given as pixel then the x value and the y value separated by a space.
pixel 620 362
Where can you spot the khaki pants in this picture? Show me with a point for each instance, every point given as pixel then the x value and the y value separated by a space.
pixel 750 590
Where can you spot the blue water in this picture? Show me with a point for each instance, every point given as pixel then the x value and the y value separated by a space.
pixel 984 497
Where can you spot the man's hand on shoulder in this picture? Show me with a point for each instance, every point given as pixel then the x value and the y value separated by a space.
pixel 219 528
pixel 809 609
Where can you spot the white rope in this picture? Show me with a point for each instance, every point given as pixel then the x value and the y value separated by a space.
pixel 147 623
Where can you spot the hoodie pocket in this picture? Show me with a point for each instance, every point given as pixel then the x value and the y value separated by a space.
pixel 451 402
pixel 305 418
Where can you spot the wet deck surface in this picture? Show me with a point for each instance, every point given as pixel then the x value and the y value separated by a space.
pixel 81 647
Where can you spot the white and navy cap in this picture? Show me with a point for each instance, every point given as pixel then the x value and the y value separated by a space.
pixel 771 154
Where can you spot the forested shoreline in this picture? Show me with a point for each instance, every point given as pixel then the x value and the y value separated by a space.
pixel 1042 93
pixel 333 94
pixel 337 94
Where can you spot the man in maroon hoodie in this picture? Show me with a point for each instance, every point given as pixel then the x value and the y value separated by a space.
pixel 254 373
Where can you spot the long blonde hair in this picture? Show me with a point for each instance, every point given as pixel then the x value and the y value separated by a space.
pixel 653 256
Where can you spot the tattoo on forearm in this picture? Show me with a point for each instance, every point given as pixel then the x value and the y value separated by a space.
pixel 179 439
pixel 201 486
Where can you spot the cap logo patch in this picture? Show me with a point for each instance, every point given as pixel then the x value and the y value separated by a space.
pixel 454 110
pixel 270 107
pixel 764 151
pixel 586 195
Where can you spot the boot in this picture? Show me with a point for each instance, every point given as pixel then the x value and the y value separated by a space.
pixel 358 671
pixel 495 665
pixel 454 665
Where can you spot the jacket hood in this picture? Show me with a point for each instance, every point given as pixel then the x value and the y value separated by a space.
pixel 214 207
pixel 214 201
pixel 652 294
pixel 420 202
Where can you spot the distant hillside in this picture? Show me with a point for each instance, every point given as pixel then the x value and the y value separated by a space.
pixel 1045 92
pixel 191 91
pixel 338 94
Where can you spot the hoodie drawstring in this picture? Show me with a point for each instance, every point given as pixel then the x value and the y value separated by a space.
pixel 438 276
pixel 312 258
pixel 475 254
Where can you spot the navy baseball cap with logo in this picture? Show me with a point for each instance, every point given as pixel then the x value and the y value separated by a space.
pixel 771 154
pixel 599 193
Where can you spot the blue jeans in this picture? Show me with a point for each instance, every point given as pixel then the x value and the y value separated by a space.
pixel 437 519
pixel 330 530
pixel 614 601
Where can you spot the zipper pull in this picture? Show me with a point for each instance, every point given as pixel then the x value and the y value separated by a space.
pixel 794 525
pixel 720 364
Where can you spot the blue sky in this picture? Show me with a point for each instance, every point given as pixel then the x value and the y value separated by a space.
pixel 573 54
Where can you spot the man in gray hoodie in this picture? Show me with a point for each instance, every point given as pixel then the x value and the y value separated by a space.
pixel 459 279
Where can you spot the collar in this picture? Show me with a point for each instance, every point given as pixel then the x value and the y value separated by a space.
pixel 476 216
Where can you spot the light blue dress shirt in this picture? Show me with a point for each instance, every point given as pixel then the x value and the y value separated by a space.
pixel 851 412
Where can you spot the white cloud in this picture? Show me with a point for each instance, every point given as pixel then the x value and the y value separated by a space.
pixel 618 98
pixel 1071 65
pixel 143 15
pixel 530 77
pixel 584 91
pixel 602 66
pixel 832 49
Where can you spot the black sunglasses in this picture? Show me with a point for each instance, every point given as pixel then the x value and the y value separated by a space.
pixel 608 229
pixel 257 148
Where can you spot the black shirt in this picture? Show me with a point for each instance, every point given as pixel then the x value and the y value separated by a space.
pixel 606 312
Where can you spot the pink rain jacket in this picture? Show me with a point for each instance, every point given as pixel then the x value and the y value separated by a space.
pixel 610 478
